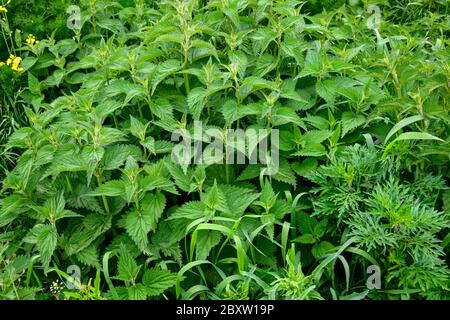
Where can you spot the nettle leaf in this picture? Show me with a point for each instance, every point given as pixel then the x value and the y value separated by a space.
pixel 285 115
pixel 105 109
pixel 285 173
pixel 67 162
pixel 81 198
pixel 11 207
pixel 115 156
pixel 139 222
pixel 196 101
pixel 123 87
pixel 239 60
pixel 54 209
pixel 206 241
pixel 109 136
pixel 288 91
pixel 327 90
pixel 236 199
pixel 171 37
pixel 305 239
pixel 45 238
pixel 156 281
pixel 164 70
pixel 85 233
pixel 262 38
pixel 33 84
pixel 137 128
pixel 322 248
pixel 191 210
pixel 251 171
pixel 127 268
pixel 316 136
pixel 265 64
pixel 182 180
pixel 313 64
pixel 267 197
pixel 89 256
pixel 150 183
pixel 212 197
pixel 312 150
pixel 150 144
pixel 351 121
pixel 137 292
pixel 306 223
pixel 205 47
pixel 257 83
pixel 111 188
pixel 305 167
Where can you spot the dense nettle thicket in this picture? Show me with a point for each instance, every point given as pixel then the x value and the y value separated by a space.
pixel 358 92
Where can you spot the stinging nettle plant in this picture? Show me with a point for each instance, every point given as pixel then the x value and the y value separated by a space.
pixel 363 154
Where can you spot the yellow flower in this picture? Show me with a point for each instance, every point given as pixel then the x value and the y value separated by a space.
pixel 31 40
pixel 14 62
pixel 10 59
pixel 1 64
pixel 3 9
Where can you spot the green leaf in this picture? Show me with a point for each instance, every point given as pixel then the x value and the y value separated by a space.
pixel 115 156
pixel 196 101
pixel 306 239
pixel 11 207
pixel 33 84
pixel 313 64
pixel 89 257
pixel 138 129
pixel 267 198
pixel 417 136
pixel 111 188
pixel 320 228
pixel 45 238
pixel 127 268
pixel 258 83
pixel 212 198
pixel 285 173
pixel 156 281
pixel 137 292
pixel 139 222
pixel 306 223
pixel 401 124
pixel 206 240
pixel 164 70
pixel 236 199
pixel 327 90
pixel 150 183
pixel 320 249
pixel 305 167
pixel 265 64
pixel 351 121
pixel 285 115
pixel 312 150
pixel 191 210
pixel 262 38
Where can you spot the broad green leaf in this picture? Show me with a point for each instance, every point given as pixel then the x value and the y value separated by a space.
pixel 127 268
pixel 156 281
pixel 351 121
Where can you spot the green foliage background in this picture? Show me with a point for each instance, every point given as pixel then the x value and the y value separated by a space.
pixel 87 177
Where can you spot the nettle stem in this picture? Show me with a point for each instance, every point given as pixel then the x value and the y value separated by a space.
pixel 105 201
